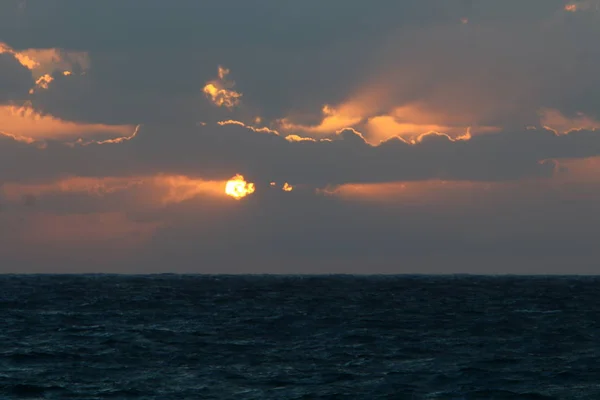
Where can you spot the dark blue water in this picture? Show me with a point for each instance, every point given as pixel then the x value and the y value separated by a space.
pixel 218 337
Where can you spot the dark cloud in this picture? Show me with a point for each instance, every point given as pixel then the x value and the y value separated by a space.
pixel 447 63
pixel 149 62
pixel 316 234
pixel 299 232
pixel 15 79
pixel 190 24
pixel 219 152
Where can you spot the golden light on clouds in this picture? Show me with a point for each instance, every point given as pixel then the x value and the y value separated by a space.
pixel 46 61
pixel 383 127
pixel 403 194
pixel 252 128
pixel 411 121
pixel 22 139
pixel 178 188
pixel 286 186
pixel 145 191
pixel 94 187
pixel 382 122
pixel 223 72
pixel 582 5
pixel 220 91
pixel 581 170
pixel 42 83
pixel 558 122
pixel 424 136
pixel 296 138
pixel 27 123
pixel 333 120
pixel 237 187
pixel 21 57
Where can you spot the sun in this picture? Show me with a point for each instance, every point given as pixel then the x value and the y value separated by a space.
pixel 237 187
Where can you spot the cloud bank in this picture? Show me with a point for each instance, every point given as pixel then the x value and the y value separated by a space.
pixel 402 136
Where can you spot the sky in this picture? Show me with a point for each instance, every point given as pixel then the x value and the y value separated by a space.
pixel 347 136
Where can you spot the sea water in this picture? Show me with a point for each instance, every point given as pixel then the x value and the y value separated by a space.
pixel 299 337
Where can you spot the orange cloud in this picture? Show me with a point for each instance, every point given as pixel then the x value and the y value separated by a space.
pixel 558 122
pixel 45 61
pixel 296 138
pixel 407 121
pixel 333 120
pixel 579 179
pixel 384 127
pixel 239 123
pixel 107 234
pixel 150 191
pixel 413 120
pixel 22 139
pixel 177 188
pixel 412 194
pixel 89 186
pixel 583 5
pixel 424 136
pixel 223 72
pixel 42 83
pixel 581 170
pixel 116 140
pixel 26 122
pixel 444 195
pixel 220 91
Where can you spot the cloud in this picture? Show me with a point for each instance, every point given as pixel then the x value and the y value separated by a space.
pixel 15 79
pixel 333 120
pixel 462 225
pixel 218 152
pixel 396 55
pixel 44 62
pixel 220 92
pixel 415 136
pixel 164 223
pixel 109 194
pixel 25 122
pixel 584 5
pixel 554 119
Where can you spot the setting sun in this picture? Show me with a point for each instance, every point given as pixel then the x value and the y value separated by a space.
pixel 237 187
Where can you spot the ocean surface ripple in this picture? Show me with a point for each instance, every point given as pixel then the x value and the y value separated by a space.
pixel 299 337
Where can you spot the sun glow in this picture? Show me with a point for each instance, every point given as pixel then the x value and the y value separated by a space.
pixel 237 187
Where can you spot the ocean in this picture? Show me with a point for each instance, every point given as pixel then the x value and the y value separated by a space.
pixel 299 337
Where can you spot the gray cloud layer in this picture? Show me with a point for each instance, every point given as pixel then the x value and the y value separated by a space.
pixel 15 79
pixel 299 232
pixel 455 63
pixel 218 152
pixel 150 61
